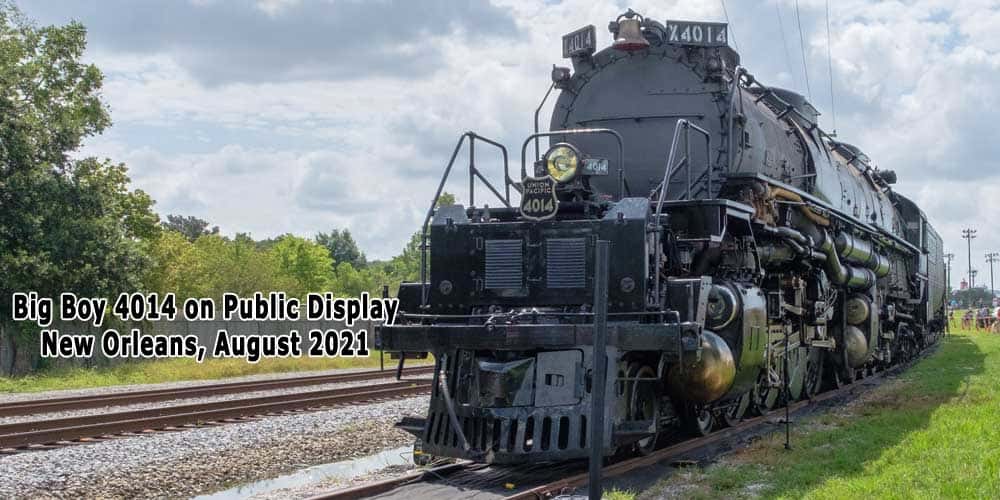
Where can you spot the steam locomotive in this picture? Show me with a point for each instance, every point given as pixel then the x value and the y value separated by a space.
pixel 755 259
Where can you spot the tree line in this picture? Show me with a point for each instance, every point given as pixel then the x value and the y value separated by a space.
pixel 189 260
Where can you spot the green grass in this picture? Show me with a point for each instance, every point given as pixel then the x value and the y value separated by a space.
pixel 932 433
pixel 173 370
pixel 617 494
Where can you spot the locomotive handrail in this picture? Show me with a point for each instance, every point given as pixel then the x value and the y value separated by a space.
pixel 686 161
pixel 669 173
pixel 473 173
pixel 577 131
pixel 669 313
pixel 730 132
pixel 539 110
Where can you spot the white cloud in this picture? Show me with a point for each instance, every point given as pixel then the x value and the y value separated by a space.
pixel 275 7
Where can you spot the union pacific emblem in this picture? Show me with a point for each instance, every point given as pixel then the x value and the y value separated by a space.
pixel 538 198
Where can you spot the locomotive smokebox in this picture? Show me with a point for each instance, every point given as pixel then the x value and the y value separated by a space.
pixel 707 378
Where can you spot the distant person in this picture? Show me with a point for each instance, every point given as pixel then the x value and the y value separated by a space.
pixel 996 320
pixel 967 320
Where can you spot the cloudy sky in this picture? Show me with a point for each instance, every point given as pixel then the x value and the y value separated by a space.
pixel 300 116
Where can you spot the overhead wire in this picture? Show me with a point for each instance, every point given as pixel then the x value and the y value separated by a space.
pixel 732 36
pixel 802 45
pixel 784 42
pixel 829 62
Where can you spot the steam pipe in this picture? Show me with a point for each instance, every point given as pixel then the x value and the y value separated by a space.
pixel 807 211
pixel 834 270
pixel 860 251
pixel 852 277
pixel 800 243
pixel 792 234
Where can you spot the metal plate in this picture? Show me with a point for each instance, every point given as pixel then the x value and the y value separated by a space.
pixel 565 263
pixel 538 198
pixel 504 264
pixel 595 166
pixel 697 33
pixel 581 42
pixel 556 382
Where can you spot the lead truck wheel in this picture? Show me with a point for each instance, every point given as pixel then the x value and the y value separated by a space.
pixel 644 405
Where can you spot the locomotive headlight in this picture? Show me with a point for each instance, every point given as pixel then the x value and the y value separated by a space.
pixel 562 162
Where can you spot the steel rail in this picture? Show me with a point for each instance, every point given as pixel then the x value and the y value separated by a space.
pixel 69 429
pixel 29 407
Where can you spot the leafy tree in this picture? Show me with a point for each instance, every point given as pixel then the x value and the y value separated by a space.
pixel 348 281
pixel 406 265
pixel 305 264
pixel 235 266
pixel 446 199
pixel 65 224
pixel 172 266
pixel 263 245
pixel 342 248
pixel 191 227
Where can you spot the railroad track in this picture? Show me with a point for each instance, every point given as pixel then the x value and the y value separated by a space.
pixel 466 475
pixel 63 431
pixel 133 397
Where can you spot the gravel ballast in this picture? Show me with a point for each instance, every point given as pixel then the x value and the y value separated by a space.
pixel 208 459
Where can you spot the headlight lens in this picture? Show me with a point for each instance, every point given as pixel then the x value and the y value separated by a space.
pixel 562 162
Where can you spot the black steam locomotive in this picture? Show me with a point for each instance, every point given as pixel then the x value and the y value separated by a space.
pixel 755 259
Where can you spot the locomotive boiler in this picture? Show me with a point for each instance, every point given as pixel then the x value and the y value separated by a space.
pixel 755 259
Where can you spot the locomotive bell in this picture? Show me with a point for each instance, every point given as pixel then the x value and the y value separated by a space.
pixel 708 378
pixel 629 36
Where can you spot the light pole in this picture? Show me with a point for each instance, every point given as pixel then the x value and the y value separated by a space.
pixel 948 257
pixel 972 277
pixel 992 257
pixel 969 234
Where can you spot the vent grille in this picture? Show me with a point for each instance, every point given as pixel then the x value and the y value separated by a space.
pixel 504 264
pixel 565 263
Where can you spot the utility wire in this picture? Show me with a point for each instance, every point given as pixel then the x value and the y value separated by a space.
pixel 732 36
pixel 802 44
pixel 784 42
pixel 829 62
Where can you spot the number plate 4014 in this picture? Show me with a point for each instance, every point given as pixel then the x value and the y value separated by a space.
pixel 538 198
pixel 697 33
